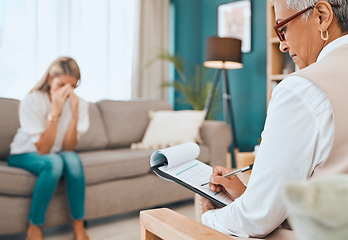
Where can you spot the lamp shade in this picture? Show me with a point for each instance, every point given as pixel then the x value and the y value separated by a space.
pixel 223 53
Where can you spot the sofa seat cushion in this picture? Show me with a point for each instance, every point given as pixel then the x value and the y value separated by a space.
pixel 107 165
pixel 19 182
pixel 99 167
pixel 15 181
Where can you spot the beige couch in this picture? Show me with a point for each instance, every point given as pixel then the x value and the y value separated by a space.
pixel 118 179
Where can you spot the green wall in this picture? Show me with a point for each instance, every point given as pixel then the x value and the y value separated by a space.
pixel 195 20
pixel 187 39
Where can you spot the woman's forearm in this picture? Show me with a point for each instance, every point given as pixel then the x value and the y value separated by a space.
pixel 47 138
pixel 70 138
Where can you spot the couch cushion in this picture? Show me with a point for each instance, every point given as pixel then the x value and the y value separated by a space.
pixel 170 128
pixel 95 138
pixel 19 182
pixel 106 165
pixel 99 166
pixel 126 121
pixel 204 154
pixel 9 123
pixel 16 181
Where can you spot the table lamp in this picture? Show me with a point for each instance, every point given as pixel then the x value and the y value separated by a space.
pixel 223 53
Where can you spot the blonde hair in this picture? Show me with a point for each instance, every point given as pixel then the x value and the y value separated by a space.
pixel 62 65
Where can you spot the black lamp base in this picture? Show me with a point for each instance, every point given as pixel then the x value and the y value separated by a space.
pixel 227 103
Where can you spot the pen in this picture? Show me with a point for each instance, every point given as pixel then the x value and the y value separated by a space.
pixel 247 168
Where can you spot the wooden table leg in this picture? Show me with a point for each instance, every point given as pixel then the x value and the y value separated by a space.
pixel 145 234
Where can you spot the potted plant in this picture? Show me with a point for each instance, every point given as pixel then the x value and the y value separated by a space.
pixel 195 87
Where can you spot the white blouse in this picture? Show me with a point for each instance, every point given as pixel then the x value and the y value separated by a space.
pixel 33 113
pixel 297 137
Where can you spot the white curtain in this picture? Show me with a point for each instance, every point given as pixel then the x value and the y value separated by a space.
pixel 152 38
pixel 98 34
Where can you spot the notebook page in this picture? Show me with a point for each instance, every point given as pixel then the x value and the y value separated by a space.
pixel 195 173
pixel 176 155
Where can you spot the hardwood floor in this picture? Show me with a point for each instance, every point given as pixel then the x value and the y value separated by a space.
pixel 119 227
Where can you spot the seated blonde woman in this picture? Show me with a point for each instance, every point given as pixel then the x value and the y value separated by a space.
pixel 52 117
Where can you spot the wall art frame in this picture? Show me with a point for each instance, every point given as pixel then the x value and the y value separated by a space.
pixel 234 20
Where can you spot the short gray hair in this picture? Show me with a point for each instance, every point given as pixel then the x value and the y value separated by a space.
pixel 340 12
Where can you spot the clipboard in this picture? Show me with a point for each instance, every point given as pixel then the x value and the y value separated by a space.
pixel 179 164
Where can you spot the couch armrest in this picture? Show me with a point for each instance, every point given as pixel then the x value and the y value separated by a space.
pixel 163 223
pixel 167 224
pixel 217 136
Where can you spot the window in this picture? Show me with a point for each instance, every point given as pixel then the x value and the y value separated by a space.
pixel 99 35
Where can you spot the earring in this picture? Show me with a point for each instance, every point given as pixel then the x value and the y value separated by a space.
pixel 322 35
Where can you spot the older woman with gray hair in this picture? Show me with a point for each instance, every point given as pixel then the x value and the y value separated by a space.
pixel 305 133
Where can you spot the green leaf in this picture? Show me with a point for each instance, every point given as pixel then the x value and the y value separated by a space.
pixel 194 88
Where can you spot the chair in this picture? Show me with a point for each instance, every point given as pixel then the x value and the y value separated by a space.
pixel 163 223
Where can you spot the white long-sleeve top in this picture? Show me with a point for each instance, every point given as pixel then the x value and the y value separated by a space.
pixel 33 112
pixel 297 137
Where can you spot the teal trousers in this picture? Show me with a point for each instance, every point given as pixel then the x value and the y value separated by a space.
pixel 50 168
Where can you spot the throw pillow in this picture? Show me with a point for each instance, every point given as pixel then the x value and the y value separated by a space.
pixel 169 128
pixel 318 208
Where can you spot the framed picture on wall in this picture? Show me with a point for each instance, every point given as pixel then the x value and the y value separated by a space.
pixel 234 20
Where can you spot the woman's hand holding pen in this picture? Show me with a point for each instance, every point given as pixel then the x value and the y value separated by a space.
pixel 232 185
